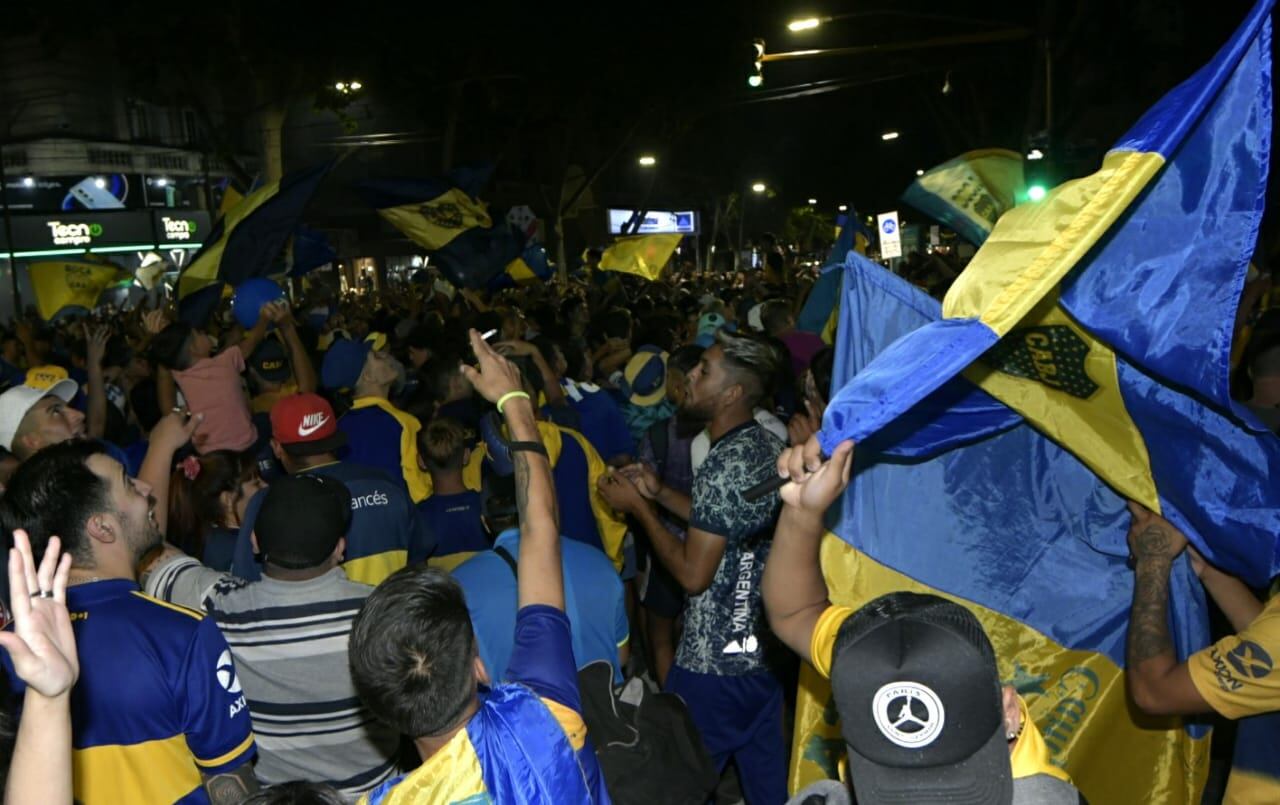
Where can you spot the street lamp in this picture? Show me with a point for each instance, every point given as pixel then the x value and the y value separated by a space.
pixel 919 172
pixel 889 135
pixel 843 208
pixel 28 181
pixel 758 187
pixel 648 161
pixel 1035 153
pixel 812 202
pixel 804 24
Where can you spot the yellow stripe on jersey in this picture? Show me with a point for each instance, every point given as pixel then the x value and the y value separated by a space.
pixel 451 775
pixel 159 771
pixel 450 561
pixel 570 720
pixel 374 569
pixel 229 756
pixel 175 607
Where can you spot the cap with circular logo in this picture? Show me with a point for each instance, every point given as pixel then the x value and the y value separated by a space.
pixel 646 377
pixel 304 425
pixel 924 672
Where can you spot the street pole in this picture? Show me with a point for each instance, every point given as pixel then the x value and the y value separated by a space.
pixel 742 225
pixel 8 235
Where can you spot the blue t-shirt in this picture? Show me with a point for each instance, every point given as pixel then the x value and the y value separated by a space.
pixel 600 420
pixel 385 532
pixel 373 440
pixel 593 598
pixel 158 701
pixel 453 523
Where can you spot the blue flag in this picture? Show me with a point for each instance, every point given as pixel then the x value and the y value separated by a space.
pixel 823 296
pixel 1103 315
pixel 1018 527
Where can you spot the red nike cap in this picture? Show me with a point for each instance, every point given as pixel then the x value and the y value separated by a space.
pixel 304 425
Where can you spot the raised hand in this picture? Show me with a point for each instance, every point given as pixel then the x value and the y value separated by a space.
pixel 41 645
pixel 155 321
pixel 494 376
pixel 96 344
pixel 174 430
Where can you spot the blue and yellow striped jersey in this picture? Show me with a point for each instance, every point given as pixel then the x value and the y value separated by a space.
pixel 158 702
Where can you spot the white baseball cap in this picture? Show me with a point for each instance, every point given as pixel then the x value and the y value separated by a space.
pixel 41 382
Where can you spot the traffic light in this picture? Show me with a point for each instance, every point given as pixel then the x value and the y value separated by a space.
pixel 757 78
pixel 1036 191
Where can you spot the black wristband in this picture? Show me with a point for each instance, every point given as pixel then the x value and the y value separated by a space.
pixel 528 447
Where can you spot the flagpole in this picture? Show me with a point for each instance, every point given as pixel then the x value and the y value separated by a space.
pixel 8 235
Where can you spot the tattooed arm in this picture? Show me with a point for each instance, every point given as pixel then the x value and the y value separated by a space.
pixel 540 579
pixel 231 788
pixel 1159 684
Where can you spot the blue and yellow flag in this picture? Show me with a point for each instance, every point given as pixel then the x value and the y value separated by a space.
pixel 431 212
pixel 971 192
pixel 1104 314
pixel 60 284
pixel 246 241
pixel 642 255
pixel 1017 529
pixel 531 266
pixel 447 218
pixel 820 311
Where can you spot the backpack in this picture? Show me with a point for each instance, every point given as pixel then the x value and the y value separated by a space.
pixel 647 745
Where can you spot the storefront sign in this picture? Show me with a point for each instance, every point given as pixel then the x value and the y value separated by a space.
pixel 181 226
pixel 655 222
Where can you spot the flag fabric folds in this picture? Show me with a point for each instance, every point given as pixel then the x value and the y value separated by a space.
pixel 531 266
pixel 1020 531
pixel 309 249
pixel 60 284
pixel 971 192
pixel 446 217
pixel 642 255
pixel 1103 315
pixel 246 242
pixel 819 312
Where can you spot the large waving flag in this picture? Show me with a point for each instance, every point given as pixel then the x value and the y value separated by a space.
pixel 246 241
pixel 971 192
pixel 642 255
pixel 1023 534
pixel 1103 315
pixel 447 218
pixel 60 284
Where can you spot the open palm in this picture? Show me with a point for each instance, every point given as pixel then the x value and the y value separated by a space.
pixel 41 645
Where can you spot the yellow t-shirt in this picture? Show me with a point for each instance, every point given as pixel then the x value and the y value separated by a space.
pixel 1237 675
pixel 1029 755
pixel 263 403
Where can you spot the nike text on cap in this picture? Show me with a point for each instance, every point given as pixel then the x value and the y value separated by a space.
pixel 914 678
pixel 304 425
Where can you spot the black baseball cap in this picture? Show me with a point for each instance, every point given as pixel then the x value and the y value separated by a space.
pixel 915 681
pixel 301 520
pixel 270 361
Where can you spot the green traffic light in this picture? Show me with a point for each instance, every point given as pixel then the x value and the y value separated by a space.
pixel 1036 192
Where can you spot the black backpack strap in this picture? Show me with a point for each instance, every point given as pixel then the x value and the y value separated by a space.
pixel 508 558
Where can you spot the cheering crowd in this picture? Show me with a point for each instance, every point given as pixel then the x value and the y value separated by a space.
pixel 369 549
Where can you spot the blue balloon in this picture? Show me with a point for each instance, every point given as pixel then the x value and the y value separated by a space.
pixel 250 296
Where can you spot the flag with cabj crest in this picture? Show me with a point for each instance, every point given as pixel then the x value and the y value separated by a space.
pixel 1017 529
pixel 1103 316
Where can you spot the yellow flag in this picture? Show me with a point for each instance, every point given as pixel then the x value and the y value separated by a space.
pixel 432 224
pixel 642 255
pixel 62 283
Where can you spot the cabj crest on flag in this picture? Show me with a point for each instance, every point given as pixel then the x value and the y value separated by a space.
pixel 1017 529
pixel 1104 316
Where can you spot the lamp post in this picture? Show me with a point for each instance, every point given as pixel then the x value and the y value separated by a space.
pixel 757 188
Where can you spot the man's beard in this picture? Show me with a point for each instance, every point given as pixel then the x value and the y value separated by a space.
pixel 143 537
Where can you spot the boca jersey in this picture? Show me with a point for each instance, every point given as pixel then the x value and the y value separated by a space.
pixel 158 703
